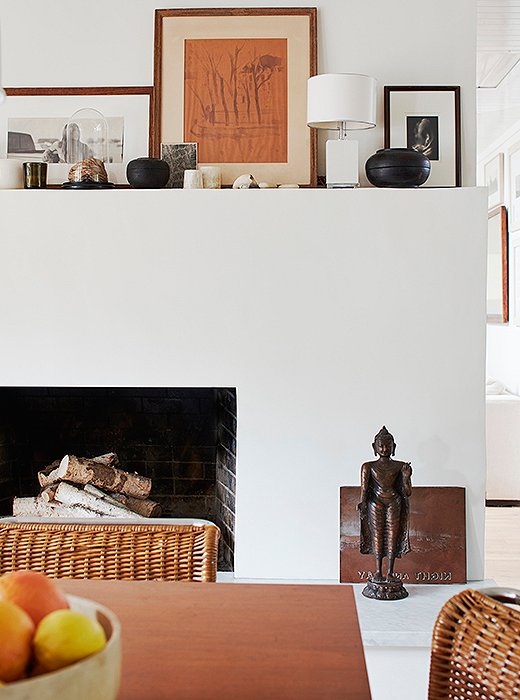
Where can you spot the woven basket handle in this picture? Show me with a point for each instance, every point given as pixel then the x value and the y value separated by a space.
pixel 509 596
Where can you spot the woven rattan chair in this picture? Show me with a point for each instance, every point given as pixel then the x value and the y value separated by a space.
pixel 476 647
pixel 159 549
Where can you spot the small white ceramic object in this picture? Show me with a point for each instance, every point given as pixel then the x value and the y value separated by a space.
pixel 211 177
pixel 267 185
pixel 290 186
pixel 11 174
pixel 192 180
pixel 244 182
pixel 96 677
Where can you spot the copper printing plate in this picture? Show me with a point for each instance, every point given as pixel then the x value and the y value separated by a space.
pixel 437 537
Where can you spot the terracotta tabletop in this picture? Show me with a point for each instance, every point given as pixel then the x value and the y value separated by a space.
pixel 234 641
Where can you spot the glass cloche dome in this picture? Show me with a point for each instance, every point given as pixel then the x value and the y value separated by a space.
pixel 86 144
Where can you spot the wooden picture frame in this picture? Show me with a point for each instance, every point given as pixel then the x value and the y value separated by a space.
pixel 234 80
pixel 427 118
pixel 498 267
pixel 494 180
pixel 133 106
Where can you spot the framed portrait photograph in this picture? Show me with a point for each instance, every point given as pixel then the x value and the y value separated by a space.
pixel 427 119
pixel 234 81
pixel 34 123
pixel 514 187
pixel 494 179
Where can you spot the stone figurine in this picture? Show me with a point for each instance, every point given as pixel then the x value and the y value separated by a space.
pixel 385 489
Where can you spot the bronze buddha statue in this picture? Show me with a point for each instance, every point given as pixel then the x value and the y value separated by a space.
pixel 385 489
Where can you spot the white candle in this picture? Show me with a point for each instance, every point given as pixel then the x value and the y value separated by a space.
pixel 211 177
pixel 192 180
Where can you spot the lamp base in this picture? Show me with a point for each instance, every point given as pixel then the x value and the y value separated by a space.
pixel 342 164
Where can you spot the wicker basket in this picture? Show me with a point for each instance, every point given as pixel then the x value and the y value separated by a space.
pixel 475 650
pixel 157 549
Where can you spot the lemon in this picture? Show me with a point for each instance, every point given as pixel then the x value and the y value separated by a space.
pixel 66 636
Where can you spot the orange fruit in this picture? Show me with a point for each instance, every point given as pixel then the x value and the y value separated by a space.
pixel 35 593
pixel 16 633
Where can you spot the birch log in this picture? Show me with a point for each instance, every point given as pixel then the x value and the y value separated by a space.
pixel 142 506
pixel 48 493
pixel 86 471
pixel 70 495
pixel 35 507
pixel 109 460
pixel 47 476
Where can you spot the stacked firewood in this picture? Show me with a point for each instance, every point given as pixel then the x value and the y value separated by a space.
pixel 77 487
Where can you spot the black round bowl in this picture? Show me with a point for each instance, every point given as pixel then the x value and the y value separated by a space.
pixel 147 173
pixel 397 167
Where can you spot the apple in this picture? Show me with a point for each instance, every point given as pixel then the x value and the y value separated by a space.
pixel 35 593
pixel 16 633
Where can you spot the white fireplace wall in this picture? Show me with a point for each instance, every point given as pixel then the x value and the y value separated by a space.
pixel 409 42
pixel 331 312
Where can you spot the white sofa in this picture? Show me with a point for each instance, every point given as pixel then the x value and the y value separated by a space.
pixel 503 444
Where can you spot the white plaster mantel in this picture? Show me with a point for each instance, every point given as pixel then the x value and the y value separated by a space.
pixel 332 312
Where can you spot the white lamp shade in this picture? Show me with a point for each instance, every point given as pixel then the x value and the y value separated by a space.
pixel 341 98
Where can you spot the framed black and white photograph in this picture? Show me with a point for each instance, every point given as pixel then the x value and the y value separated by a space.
pixel 494 180
pixel 34 123
pixel 514 187
pixel 45 139
pixel 427 119
pixel 180 157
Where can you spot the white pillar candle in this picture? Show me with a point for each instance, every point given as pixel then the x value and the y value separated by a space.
pixel 211 177
pixel 192 180
pixel 11 174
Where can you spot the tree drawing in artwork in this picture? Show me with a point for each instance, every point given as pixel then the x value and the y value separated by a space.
pixel 235 99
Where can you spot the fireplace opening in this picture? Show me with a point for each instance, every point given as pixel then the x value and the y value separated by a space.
pixel 183 439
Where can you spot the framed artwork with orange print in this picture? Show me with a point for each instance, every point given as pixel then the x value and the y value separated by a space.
pixel 234 81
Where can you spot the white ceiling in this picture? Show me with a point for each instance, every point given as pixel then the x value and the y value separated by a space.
pixel 498 42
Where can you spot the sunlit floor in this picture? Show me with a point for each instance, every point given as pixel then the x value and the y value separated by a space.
pixel 503 546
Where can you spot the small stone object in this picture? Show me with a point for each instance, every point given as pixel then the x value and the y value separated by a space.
pixel 90 169
pixel 267 185
pixel 290 186
pixel 245 182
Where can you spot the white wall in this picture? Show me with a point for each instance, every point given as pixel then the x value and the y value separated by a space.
pixel 332 312
pixel 110 42
pixel 503 340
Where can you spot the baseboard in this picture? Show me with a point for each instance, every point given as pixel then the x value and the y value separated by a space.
pixel 502 504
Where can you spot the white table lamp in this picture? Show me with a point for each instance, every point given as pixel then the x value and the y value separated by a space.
pixel 341 101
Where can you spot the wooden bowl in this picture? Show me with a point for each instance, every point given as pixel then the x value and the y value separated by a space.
pixel 96 677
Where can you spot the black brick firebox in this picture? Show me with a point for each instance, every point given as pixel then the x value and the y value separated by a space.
pixel 184 439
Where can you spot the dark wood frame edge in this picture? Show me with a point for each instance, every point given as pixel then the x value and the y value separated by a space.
pixel 499 503
pixel 502 210
pixel 311 12
pixel 457 116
